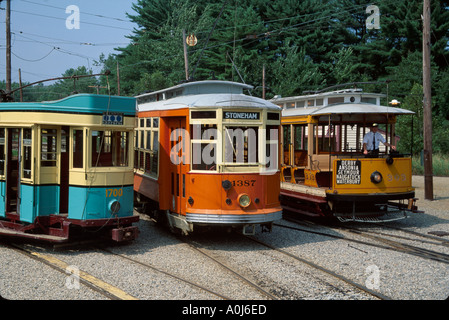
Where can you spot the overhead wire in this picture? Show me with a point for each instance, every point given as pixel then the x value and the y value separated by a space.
pixel 34 60
pixel 84 12
pixel 55 46
pixel 308 24
pixel 59 18
pixel 65 41
pixel 270 33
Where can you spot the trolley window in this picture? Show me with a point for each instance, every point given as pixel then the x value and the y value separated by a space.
pixel 110 148
pixel 272 147
pixel 286 142
pixel 78 147
pixel 300 137
pixel 2 151
pixel 241 145
pixel 27 157
pixel 204 146
pixel 146 146
pixel 48 147
pixel 300 142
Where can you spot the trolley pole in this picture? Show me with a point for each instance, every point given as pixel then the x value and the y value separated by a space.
pixel 186 57
pixel 427 104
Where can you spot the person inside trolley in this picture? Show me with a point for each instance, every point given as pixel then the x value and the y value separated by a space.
pixel 371 141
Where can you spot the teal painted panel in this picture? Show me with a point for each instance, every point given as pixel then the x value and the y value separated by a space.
pixel 37 201
pixel 79 103
pixel 47 200
pixel 2 198
pixel 27 208
pixel 94 203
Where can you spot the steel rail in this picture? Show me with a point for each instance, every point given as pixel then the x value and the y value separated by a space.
pixel 235 273
pixel 166 273
pixel 387 243
pixel 318 267
pixel 88 280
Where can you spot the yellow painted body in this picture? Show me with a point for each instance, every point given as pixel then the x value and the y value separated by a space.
pixel 396 177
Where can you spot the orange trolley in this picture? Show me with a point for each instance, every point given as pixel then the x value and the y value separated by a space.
pixel 206 154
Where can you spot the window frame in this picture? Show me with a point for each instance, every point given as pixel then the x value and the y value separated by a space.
pixel 146 146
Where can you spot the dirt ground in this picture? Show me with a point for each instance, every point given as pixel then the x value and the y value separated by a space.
pixel 440 200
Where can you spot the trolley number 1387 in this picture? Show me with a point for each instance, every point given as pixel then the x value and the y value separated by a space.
pixel 114 193
pixel 243 183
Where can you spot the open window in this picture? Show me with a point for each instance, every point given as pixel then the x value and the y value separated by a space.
pixel 109 148
pixel 204 146
pixel 146 146
pixel 241 145
pixel 48 147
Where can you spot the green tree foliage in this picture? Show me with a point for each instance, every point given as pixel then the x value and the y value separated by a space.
pixel 59 88
pixel 304 45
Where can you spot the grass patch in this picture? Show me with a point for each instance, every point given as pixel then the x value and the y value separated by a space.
pixel 440 164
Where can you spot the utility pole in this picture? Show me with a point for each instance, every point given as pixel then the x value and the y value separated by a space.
pixel 263 81
pixel 427 104
pixel 20 85
pixel 8 46
pixel 118 80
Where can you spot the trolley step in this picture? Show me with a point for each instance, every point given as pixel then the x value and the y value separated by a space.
pixel 14 233
pixel 375 217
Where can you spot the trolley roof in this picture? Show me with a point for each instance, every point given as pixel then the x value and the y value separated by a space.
pixel 348 101
pixel 345 108
pixel 337 93
pixel 202 94
pixel 79 103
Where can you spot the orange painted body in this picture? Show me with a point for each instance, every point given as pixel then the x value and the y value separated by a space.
pixel 175 184
pixel 209 196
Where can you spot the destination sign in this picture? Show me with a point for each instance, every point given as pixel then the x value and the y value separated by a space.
pixel 113 118
pixel 348 172
pixel 241 115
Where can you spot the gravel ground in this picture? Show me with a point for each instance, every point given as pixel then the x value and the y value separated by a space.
pixel 400 276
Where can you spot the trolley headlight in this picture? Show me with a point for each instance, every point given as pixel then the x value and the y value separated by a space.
pixel 376 177
pixel 114 206
pixel 244 200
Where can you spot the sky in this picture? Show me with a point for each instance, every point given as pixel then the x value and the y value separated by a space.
pixel 47 38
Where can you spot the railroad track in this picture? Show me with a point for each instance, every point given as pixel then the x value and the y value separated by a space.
pixel 172 275
pixel 381 240
pixel 209 255
pixel 435 239
pixel 113 293
pixel 237 274
pixel 322 269
pixel 105 289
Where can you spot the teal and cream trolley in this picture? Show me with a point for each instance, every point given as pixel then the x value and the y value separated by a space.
pixel 66 165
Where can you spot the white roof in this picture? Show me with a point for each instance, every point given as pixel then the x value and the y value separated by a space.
pixel 345 108
pixel 206 94
pixel 349 92
pixel 206 86
pixel 208 101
